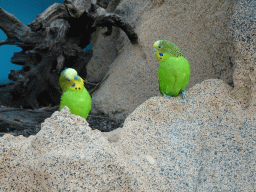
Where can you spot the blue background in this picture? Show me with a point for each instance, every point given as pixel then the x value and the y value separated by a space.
pixel 26 11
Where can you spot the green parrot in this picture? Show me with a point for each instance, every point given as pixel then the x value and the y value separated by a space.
pixel 74 95
pixel 174 69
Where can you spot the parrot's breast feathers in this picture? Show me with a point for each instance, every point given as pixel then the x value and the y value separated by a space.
pixel 74 94
pixel 174 69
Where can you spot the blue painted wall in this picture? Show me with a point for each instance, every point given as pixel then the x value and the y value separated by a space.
pixel 26 11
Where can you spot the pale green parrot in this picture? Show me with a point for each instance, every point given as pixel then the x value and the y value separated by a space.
pixel 74 95
pixel 174 69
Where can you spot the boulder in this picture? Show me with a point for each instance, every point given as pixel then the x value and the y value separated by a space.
pixel 199 28
pixel 66 155
pixel 205 144
pixel 243 29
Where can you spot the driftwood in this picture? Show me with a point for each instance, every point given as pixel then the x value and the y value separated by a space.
pixel 18 121
pixel 26 122
pixel 54 40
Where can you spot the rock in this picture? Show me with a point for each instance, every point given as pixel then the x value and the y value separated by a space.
pixel 103 55
pixel 206 144
pixel 121 94
pixel 243 28
pixel 65 155
pixel 200 29
pixel 105 50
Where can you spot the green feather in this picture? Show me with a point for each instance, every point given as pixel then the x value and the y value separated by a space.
pixel 173 75
pixel 174 69
pixel 79 102
pixel 74 95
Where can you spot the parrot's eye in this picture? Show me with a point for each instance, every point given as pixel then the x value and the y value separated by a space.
pixel 159 47
pixel 73 85
pixel 68 80
pixel 161 54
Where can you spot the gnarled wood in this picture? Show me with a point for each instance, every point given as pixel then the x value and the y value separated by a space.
pixel 54 40
pixel 22 121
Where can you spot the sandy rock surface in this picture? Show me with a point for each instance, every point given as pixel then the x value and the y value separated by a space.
pixel 65 155
pixel 206 144
pixel 199 28
pixel 166 144
pixel 243 28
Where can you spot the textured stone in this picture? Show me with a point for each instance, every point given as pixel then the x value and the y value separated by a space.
pixel 166 144
pixel 243 28
pixel 66 155
pixel 207 144
pixel 199 28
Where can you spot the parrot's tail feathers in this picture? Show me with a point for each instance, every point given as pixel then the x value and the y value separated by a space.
pixel 183 93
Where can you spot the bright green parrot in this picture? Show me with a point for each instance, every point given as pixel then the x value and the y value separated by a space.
pixel 74 96
pixel 173 71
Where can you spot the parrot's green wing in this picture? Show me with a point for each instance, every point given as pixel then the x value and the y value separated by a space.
pixel 174 69
pixel 79 102
pixel 173 75
pixel 170 48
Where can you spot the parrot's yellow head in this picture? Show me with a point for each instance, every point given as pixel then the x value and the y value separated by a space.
pixel 70 80
pixel 164 49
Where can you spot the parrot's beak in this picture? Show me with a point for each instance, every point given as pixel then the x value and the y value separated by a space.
pixel 76 77
pixel 154 51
